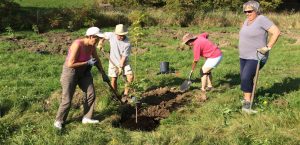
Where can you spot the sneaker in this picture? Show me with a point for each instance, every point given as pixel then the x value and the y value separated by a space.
pixel 246 108
pixel 88 120
pixel 125 98
pixel 58 125
pixel 209 88
pixel 249 111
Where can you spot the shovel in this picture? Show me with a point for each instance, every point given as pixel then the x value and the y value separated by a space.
pixel 187 83
pixel 117 97
pixel 255 80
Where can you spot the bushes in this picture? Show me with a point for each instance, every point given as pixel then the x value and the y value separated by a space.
pixel 142 16
pixel 9 16
pixel 166 12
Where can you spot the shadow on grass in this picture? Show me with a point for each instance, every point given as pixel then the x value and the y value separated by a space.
pixel 280 89
pixel 229 80
pixel 168 82
pixel 5 106
pixel 108 111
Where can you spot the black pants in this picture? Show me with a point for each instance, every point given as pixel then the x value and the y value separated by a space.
pixel 247 71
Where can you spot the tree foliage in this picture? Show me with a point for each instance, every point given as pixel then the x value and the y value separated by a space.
pixel 199 5
pixel 9 14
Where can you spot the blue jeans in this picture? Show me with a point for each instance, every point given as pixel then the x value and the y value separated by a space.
pixel 247 71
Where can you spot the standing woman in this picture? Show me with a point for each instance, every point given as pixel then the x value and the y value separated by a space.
pixel 81 57
pixel 253 38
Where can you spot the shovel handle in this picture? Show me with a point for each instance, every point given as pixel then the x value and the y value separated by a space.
pixel 190 75
pixel 114 92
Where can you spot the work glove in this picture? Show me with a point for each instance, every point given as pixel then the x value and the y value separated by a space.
pixel 120 70
pixel 105 78
pixel 92 61
pixel 264 50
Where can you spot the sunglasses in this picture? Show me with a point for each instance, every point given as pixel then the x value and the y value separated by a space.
pixel 248 11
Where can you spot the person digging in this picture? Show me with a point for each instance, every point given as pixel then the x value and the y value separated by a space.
pixel 82 55
pixel 120 49
pixel 202 47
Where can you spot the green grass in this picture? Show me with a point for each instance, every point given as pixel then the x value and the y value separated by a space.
pixel 54 3
pixel 28 79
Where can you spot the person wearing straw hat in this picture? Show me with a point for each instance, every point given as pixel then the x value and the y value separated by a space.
pixel 82 55
pixel 253 38
pixel 202 47
pixel 120 49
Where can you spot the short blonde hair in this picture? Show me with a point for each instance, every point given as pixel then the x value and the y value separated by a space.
pixel 253 4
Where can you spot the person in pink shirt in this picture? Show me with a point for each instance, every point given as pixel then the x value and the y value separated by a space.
pixel 82 55
pixel 202 47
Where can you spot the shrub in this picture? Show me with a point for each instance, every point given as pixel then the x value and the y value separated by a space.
pixel 142 16
pixel 9 16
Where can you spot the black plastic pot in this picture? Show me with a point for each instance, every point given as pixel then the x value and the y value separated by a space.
pixel 164 67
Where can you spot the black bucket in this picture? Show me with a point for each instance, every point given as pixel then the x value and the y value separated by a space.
pixel 164 67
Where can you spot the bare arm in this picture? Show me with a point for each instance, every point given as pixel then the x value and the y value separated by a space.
pixel 194 65
pixel 124 55
pixel 122 61
pixel 275 32
pixel 72 58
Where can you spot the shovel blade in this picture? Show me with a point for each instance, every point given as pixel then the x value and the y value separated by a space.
pixel 185 85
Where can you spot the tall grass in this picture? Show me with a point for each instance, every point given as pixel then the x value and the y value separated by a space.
pixel 55 3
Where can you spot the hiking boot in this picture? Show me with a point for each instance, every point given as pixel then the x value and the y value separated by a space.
pixel 89 121
pixel 58 125
pixel 246 108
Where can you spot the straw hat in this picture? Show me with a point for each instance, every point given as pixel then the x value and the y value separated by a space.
pixel 188 37
pixel 121 30
pixel 94 31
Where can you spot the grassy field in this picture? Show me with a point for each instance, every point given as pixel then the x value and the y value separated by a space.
pixel 30 91
pixel 54 3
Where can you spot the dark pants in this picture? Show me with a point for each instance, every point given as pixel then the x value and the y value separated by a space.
pixel 70 78
pixel 247 71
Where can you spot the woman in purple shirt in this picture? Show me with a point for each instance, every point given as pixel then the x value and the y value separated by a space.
pixel 253 38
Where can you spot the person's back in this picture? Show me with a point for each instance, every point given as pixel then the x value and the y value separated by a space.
pixel 204 47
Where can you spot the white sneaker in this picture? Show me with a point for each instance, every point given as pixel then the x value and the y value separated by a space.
pixel 58 125
pixel 249 111
pixel 88 120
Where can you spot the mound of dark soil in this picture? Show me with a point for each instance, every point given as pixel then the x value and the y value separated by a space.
pixel 159 104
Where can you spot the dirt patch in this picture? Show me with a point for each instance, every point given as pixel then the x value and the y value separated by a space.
pixel 46 43
pixel 282 103
pixel 138 51
pixel 157 104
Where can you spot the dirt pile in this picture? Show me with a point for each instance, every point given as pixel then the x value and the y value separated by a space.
pixel 156 105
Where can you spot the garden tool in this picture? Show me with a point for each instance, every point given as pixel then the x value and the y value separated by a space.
pixel 124 77
pixel 255 79
pixel 187 83
pixel 117 97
